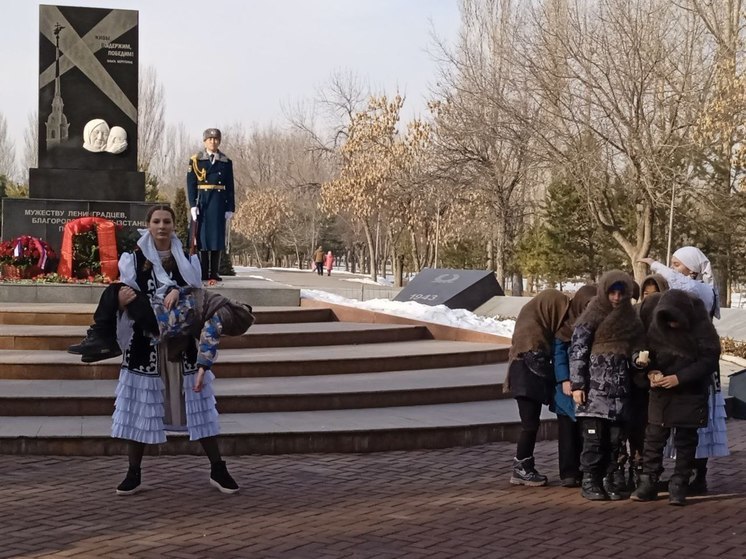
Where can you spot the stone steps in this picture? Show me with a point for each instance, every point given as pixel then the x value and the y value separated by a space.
pixel 361 430
pixel 262 335
pixel 300 380
pixel 256 292
pixel 257 395
pixel 264 362
pixel 80 314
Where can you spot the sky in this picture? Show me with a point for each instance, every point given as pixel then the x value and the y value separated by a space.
pixel 242 61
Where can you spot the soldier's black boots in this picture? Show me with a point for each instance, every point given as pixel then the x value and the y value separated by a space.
pixel 646 489
pixel 210 262
pixel 215 265
pixel 592 488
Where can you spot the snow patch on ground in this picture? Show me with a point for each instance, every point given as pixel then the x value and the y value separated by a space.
pixel 439 314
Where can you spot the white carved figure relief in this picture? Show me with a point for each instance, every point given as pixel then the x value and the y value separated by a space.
pixel 117 141
pixel 95 135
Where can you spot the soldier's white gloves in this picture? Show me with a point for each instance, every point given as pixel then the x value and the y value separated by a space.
pixel 228 215
pixel 194 212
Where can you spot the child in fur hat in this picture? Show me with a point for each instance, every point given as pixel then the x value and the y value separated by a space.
pixel 690 270
pixel 685 348
pixel 654 283
pixel 651 288
pixel 606 340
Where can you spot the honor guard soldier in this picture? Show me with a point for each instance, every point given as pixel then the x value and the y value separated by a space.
pixel 211 201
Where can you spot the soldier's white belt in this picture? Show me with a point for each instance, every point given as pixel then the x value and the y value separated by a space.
pixel 211 186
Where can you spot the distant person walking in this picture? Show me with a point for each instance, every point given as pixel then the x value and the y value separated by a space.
pixel 329 263
pixel 318 260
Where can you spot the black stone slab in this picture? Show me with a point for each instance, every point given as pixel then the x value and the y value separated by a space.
pixel 456 289
pixel 88 70
pixel 737 389
pixel 81 184
pixel 97 73
pixel 47 218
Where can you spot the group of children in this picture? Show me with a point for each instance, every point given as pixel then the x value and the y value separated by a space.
pixel 617 374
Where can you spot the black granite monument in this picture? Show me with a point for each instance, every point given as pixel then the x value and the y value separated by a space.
pixel 88 85
pixel 456 289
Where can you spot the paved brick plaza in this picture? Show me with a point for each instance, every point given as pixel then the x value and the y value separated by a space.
pixel 434 504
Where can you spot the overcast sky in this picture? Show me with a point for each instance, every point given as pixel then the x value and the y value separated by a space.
pixel 228 61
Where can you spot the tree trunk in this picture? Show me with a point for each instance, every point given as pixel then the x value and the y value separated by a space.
pixel 399 273
pixel 517 290
pixel 499 250
pixel 491 256
pixel 371 251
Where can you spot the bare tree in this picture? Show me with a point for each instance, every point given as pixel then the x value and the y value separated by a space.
pixel 171 166
pixel 620 84
pixel 326 119
pixel 720 135
pixel 482 135
pixel 285 170
pixel 151 121
pixel 30 145
pixel 7 151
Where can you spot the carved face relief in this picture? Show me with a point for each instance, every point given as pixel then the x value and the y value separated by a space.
pixel 95 135
pixel 117 141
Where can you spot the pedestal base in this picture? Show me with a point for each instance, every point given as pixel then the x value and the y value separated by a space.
pixel 83 184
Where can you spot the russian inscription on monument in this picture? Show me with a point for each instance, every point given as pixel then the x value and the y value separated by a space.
pixel 46 219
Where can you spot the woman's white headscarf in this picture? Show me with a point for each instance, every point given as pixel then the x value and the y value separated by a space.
pixel 190 272
pixel 697 262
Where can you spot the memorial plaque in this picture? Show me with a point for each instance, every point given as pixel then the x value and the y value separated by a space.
pixel 46 219
pixel 456 289
pixel 88 80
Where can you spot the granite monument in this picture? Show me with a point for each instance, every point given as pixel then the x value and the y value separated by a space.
pixel 88 97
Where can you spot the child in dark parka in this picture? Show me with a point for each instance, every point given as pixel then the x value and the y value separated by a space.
pixel 605 343
pixel 685 349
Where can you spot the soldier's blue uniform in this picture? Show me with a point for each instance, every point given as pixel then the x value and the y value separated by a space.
pixel 210 193
pixel 210 190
